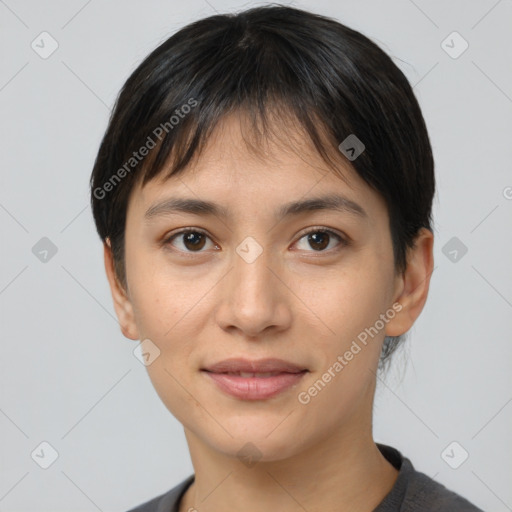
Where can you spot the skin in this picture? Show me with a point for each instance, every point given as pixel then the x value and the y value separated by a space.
pixel 293 302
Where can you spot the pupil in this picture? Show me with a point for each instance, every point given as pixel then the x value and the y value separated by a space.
pixel 194 238
pixel 319 238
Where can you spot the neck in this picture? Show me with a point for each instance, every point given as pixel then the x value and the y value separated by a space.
pixel 344 472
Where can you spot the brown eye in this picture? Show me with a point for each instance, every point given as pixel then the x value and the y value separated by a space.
pixel 321 239
pixel 191 240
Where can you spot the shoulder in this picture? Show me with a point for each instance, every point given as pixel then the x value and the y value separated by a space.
pixel 415 491
pixel 424 493
pixel 166 502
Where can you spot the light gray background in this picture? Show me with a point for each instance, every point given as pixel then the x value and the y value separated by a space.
pixel 68 377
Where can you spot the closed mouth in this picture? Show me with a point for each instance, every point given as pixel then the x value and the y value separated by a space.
pixel 260 375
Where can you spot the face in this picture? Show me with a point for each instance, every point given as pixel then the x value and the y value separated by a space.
pixel 253 282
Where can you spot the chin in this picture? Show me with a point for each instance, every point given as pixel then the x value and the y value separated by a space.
pixel 254 439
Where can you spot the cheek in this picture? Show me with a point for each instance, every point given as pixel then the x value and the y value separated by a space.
pixel 161 296
pixel 347 301
pixel 163 308
pixel 171 308
pixel 349 306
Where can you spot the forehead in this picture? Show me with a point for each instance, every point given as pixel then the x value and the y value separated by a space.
pixel 237 167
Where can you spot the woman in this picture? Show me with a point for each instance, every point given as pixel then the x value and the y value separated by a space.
pixel 264 192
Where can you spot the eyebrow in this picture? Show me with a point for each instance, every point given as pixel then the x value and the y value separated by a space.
pixel 201 207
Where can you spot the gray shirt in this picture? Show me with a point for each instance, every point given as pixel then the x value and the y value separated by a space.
pixel 413 491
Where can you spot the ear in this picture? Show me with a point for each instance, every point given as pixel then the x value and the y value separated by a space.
pixel 411 289
pixel 122 303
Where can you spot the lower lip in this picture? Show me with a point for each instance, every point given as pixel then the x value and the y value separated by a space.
pixel 255 388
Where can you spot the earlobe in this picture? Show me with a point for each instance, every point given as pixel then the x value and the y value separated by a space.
pixel 122 303
pixel 412 287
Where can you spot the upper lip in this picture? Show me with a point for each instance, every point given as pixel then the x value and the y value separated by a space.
pixel 254 366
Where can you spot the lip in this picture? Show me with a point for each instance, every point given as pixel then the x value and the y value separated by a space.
pixel 255 388
pixel 235 365
pixel 276 376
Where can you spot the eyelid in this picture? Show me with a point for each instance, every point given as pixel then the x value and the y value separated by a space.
pixel 182 231
pixel 324 229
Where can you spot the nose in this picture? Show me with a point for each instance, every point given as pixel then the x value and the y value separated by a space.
pixel 254 298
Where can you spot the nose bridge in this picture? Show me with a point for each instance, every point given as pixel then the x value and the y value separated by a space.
pixel 251 279
pixel 252 301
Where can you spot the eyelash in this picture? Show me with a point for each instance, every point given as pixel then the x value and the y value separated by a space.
pixel 342 241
